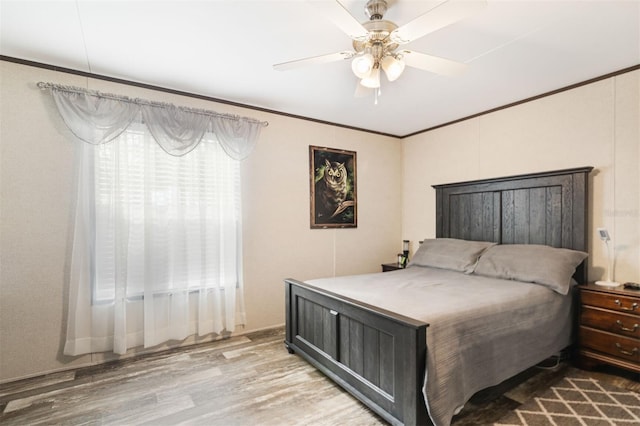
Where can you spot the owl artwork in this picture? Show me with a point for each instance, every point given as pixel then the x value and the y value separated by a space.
pixel 333 194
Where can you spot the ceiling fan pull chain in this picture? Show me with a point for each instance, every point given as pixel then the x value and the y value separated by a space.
pixel 376 92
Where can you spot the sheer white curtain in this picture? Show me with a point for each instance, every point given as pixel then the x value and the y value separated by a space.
pixel 157 252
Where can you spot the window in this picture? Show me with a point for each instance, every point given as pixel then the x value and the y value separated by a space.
pixel 163 223
pixel 157 237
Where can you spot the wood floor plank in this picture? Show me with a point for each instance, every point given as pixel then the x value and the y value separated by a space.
pixel 248 380
pixel 36 382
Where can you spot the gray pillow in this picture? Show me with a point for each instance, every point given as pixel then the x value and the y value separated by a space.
pixel 549 266
pixel 450 253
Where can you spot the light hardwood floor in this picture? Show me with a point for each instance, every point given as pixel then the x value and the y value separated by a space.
pixel 246 380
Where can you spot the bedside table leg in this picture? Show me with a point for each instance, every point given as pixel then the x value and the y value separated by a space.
pixel 585 363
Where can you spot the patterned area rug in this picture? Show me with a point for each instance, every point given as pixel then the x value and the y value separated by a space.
pixel 577 400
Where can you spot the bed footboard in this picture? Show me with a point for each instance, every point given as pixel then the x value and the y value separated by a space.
pixel 376 355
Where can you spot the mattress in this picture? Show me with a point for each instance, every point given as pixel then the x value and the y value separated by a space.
pixel 481 330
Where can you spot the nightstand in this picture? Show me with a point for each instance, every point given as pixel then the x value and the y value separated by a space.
pixel 609 327
pixel 386 267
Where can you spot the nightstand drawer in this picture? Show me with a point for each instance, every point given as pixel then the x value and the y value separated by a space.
pixel 611 301
pixel 612 344
pixel 613 322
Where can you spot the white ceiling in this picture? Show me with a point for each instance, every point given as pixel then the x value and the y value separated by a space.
pixel 225 50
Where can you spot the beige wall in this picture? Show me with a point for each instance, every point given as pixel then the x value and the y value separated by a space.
pixel 36 177
pixel 594 125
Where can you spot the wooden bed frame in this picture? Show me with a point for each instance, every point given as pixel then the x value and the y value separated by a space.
pixel 379 356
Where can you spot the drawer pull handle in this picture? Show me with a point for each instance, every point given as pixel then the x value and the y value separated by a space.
pixel 623 328
pixel 632 308
pixel 625 352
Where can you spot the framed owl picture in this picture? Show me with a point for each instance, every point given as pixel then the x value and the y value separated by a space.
pixel 333 188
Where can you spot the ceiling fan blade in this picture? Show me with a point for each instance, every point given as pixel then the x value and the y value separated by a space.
pixel 322 59
pixel 431 63
pixel 340 16
pixel 444 14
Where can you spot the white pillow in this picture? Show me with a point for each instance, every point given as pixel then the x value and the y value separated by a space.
pixel 546 265
pixel 450 253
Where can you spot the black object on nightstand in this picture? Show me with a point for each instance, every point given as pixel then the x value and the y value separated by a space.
pixel 631 286
pixel 386 267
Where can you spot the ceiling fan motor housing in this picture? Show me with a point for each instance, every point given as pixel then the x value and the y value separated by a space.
pixel 378 40
pixel 375 9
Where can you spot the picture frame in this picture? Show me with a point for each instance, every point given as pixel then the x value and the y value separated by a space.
pixel 333 179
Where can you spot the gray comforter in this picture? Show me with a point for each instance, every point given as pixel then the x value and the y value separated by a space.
pixel 482 330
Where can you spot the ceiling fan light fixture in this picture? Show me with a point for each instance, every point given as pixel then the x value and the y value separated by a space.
pixel 362 65
pixel 393 67
pixel 376 42
pixel 372 80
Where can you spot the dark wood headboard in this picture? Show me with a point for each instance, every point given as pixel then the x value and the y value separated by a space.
pixel 538 208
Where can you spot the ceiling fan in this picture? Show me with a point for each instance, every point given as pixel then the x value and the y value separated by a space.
pixel 376 42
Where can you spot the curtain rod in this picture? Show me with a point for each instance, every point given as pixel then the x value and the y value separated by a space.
pixel 139 101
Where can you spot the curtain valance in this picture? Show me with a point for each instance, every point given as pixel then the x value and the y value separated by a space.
pixel 96 118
